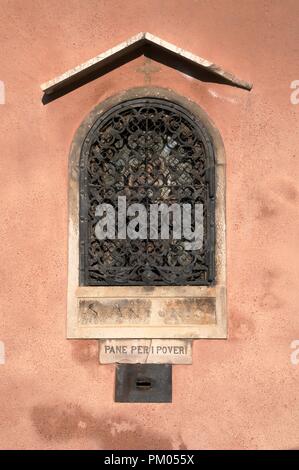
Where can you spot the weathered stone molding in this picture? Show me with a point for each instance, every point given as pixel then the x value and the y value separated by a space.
pixel 147 44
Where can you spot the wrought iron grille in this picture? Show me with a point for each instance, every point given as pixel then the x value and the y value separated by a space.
pixel 152 151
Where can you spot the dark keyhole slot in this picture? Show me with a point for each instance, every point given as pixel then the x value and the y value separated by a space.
pixel 143 384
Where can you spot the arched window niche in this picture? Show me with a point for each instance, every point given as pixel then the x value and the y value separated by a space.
pixel 147 221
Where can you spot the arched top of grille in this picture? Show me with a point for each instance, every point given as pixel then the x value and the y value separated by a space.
pixel 152 151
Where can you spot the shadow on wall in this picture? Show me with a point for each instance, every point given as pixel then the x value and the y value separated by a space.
pixel 66 421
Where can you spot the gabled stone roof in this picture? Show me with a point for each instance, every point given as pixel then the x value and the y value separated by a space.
pixel 151 46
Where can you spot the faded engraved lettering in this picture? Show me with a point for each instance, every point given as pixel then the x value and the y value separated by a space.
pixel 105 311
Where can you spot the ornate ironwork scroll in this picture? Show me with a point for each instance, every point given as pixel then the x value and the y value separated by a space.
pixel 152 151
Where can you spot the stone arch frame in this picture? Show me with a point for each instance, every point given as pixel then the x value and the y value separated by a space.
pixel 147 311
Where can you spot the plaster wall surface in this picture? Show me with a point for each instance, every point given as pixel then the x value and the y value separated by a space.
pixel 239 393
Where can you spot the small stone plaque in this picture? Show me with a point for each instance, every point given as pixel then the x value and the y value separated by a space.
pixel 147 311
pixel 146 351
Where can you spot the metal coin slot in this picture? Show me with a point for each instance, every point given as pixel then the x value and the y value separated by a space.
pixel 143 384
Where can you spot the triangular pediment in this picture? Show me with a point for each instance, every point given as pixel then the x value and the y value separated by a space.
pixel 150 46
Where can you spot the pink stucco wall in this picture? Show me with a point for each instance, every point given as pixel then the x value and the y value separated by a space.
pixel 239 393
